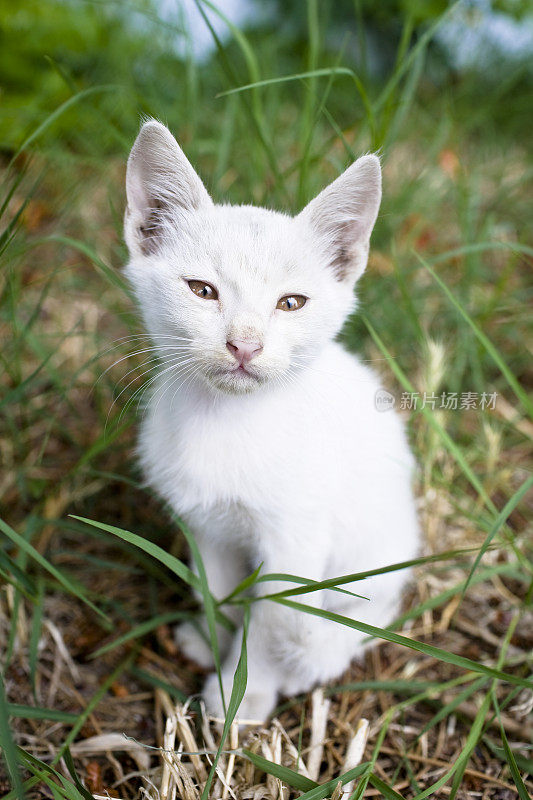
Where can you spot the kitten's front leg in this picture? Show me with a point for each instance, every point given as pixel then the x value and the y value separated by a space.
pixel 279 638
pixel 224 568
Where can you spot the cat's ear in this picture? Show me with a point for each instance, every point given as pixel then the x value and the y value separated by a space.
pixel 343 215
pixel 160 185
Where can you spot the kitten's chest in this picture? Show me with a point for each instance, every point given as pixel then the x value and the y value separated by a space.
pixel 229 461
pixel 202 458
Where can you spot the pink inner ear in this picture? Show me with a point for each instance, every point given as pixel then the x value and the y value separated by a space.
pixel 342 256
pixel 151 227
pixel 346 248
pixel 135 191
pixel 157 168
pixel 343 216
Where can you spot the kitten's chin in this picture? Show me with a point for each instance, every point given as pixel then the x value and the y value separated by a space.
pixel 235 381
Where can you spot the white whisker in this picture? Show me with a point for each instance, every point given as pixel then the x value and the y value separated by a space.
pixel 168 367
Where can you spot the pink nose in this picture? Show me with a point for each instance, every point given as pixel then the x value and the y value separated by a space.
pixel 244 351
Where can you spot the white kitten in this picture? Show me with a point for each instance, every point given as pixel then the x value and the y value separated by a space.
pixel 262 432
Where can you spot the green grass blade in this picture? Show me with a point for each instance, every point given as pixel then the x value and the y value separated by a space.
pixel 240 38
pixel 307 123
pixel 174 564
pixel 397 686
pixel 471 742
pixel 104 441
pixel 450 707
pixel 240 680
pixel 502 517
pixel 405 64
pixel 36 712
pixel 254 110
pixel 63 789
pixel 153 680
pixel 458 768
pixel 15 394
pixel 485 341
pixel 69 761
pixel 57 113
pixel 437 689
pixel 440 598
pixel 244 585
pixel 448 442
pixel 208 601
pixel 361 787
pixel 7 577
pixel 480 247
pixel 309 129
pixel 141 630
pixel 35 635
pixel 8 746
pixel 324 790
pixel 288 776
pixel 417 691
pixel 405 101
pixel 382 787
pixel 11 568
pixel 513 767
pixel 525 764
pixel 33 553
pixel 314 73
pixel 9 232
pixel 93 702
pixel 511 761
pixel 331 583
pixel 15 183
pixel 111 275
pixel 413 644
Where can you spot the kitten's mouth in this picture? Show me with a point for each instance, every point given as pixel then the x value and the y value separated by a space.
pixel 238 370
pixel 236 379
pixel 243 373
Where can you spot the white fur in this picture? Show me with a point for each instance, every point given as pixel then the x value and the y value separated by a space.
pixel 290 465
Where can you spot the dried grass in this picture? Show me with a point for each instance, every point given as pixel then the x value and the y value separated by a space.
pixel 139 739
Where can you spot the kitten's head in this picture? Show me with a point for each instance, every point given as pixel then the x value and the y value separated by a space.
pixel 238 296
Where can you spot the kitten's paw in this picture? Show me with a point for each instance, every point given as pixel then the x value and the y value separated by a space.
pixel 212 699
pixel 255 707
pixel 193 645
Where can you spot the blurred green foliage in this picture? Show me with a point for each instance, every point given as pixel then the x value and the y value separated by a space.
pixel 390 13
pixel 50 50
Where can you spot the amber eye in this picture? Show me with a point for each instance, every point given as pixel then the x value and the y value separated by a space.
pixel 292 302
pixel 203 290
